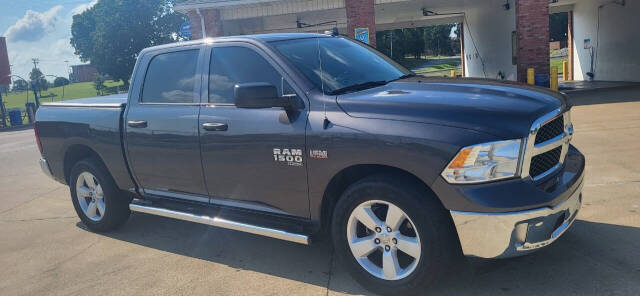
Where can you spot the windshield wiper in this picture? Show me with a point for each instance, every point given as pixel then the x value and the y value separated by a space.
pixel 358 86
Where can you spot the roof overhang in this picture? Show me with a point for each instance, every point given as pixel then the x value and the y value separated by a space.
pixel 184 6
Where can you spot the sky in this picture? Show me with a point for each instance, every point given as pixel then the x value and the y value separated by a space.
pixel 40 29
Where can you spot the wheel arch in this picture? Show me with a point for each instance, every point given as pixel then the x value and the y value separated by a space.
pixel 349 175
pixel 78 152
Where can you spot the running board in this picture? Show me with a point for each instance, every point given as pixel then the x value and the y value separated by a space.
pixel 222 223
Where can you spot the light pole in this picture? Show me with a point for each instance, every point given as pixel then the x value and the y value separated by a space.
pixel 33 88
pixel 25 81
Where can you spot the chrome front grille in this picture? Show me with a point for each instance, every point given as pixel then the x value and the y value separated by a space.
pixel 544 162
pixel 547 145
pixel 550 130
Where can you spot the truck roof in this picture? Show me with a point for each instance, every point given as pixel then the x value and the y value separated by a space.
pixel 257 37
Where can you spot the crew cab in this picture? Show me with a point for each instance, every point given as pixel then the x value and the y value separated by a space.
pixel 295 135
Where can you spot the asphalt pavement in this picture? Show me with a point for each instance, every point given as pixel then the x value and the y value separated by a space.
pixel 45 250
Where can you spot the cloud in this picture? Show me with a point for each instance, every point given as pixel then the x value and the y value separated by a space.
pixel 61 47
pixel 82 7
pixel 34 25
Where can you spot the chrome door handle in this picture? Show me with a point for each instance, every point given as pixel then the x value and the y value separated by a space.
pixel 215 126
pixel 137 123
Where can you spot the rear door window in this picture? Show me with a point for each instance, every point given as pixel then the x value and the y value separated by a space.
pixel 171 78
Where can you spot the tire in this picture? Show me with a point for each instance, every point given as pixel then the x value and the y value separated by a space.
pixel 101 206
pixel 426 223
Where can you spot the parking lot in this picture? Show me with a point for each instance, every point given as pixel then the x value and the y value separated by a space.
pixel 44 249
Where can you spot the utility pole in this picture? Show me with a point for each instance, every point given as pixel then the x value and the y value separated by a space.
pixel 35 62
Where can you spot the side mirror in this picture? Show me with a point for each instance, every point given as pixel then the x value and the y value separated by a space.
pixel 262 95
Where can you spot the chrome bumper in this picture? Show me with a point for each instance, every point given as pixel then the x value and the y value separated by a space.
pixel 45 168
pixel 503 235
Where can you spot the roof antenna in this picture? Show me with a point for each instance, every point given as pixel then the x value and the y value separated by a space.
pixel 326 122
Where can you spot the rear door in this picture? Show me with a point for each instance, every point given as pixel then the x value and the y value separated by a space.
pixel 256 158
pixel 162 125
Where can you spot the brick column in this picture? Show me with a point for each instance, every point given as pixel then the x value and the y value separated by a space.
pixel 532 27
pixel 212 23
pixel 361 14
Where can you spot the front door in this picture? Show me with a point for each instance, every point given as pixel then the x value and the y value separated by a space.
pixel 162 126
pixel 252 158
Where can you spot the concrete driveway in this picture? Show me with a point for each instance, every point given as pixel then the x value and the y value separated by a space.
pixel 45 250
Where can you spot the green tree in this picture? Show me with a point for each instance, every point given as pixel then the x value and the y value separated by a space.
pixel 38 80
pixel 112 33
pixel 19 85
pixel 98 84
pixel 60 81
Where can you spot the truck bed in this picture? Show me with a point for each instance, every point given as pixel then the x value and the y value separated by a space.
pixel 76 129
pixel 112 101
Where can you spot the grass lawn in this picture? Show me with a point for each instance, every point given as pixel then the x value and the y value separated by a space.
pixel 432 65
pixel 71 91
pixel 438 68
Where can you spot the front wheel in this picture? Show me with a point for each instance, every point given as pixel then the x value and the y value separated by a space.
pixel 394 237
pixel 96 198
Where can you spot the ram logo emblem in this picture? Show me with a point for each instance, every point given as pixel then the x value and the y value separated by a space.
pixel 292 157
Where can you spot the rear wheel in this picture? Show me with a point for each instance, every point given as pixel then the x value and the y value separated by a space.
pixel 394 237
pixel 96 198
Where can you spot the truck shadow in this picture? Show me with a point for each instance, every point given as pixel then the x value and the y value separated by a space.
pixel 605 96
pixel 591 259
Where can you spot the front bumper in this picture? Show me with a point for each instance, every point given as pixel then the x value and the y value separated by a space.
pixel 503 235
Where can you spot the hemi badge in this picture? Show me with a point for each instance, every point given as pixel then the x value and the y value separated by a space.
pixel 318 154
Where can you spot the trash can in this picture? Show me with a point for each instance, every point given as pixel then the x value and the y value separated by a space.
pixel 15 117
pixel 542 80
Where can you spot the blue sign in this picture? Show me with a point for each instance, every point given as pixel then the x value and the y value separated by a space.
pixel 185 30
pixel 362 35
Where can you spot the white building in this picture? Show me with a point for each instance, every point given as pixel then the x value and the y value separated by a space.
pixel 500 36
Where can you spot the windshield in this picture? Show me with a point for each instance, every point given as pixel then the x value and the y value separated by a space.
pixel 346 65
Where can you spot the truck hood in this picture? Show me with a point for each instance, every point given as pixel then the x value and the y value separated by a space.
pixel 503 109
pixel 111 101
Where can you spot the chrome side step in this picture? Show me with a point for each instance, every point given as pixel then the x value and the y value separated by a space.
pixel 222 223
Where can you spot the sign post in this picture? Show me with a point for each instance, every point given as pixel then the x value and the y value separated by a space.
pixel 362 35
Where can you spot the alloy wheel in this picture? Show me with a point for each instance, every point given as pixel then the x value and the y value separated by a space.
pixel 383 240
pixel 90 196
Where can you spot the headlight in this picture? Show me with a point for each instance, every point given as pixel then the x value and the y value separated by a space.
pixel 484 162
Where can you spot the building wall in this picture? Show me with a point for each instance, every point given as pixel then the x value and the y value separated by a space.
pixel 212 23
pixel 5 70
pixel 487 29
pixel 287 22
pixel 486 21
pixel 83 73
pixel 532 26
pixel 618 55
pixel 361 14
pixel 487 39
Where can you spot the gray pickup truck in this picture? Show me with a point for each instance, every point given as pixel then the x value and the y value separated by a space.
pixel 294 135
